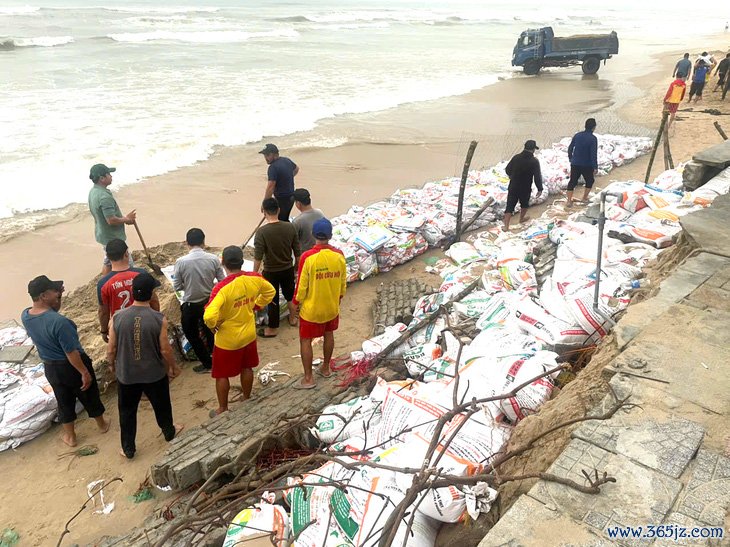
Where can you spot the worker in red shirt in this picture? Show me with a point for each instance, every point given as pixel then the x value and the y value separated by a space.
pixel 674 97
pixel 321 284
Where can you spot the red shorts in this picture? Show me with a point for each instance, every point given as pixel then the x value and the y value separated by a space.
pixel 228 363
pixel 672 107
pixel 315 330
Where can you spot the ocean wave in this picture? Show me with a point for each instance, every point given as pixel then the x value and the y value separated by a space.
pixel 18 10
pixel 292 19
pixel 202 37
pixel 9 44
pixel 169 9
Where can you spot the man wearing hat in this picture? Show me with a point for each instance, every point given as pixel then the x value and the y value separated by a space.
pixel 583 156
pixel 140 356
pixel 321 284
pixel 281 175
pixel 522 170
pixel 308 215
pixel 67 367
pixel 230 315
pixel 108 219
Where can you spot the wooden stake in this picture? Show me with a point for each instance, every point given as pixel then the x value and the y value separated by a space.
pixel 659 134
pixel 719 130
pixel 462 188
pixel 668 161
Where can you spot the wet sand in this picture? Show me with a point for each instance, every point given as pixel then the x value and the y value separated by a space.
pixel 401 147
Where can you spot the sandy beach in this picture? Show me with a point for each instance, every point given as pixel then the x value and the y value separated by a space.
pixel 392 149
pixel 400 147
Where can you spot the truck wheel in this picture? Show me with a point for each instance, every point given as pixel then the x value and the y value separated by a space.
pixel 591 65
pixel 531 67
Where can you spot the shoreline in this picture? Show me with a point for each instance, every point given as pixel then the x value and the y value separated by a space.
pixel 400 147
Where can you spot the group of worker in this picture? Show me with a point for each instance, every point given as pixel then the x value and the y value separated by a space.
pixel 218 308
pixel 700 73
pixel 524 169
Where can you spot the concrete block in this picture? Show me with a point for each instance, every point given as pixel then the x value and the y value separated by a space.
pixel 707 495
pixel 693 175
pixel 530 523
pixel 679 521
pixel 216 458
pixel 680 284
pixel 711 297
pixel 662 442
pixel 639 495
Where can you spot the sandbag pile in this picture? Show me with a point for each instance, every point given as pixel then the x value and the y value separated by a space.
pixel 391 232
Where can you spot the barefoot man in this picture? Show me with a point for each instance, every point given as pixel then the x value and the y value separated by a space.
pixel 522 170
pixel 67 367
pixel 583 156
pixel 140 355
pixel 230 315
pixel 321 284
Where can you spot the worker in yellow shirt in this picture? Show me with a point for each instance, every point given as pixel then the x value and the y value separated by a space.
pixel 674 97
pixel 230 315
pixel 321 284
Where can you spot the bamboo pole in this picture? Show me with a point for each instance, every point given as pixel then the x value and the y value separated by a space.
pixel 659 134
pixel 462 188
pixel 719 130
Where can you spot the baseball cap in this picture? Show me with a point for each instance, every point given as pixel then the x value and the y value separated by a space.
pixel 143 285
pixel 41 284
pixel 100 170
pixel 531 145
pixel 302 195
pixel 269 149
pixel 233 256
pixel 322 229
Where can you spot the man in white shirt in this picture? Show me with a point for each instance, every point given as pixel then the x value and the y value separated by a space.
pixel 196 274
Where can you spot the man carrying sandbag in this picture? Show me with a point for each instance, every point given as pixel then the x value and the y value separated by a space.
pixel 321 284
pixel 522 170
pixel 67 367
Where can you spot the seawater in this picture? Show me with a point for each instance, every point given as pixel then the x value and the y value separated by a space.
pixel 150 86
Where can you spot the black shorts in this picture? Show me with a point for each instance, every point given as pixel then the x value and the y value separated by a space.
pixel 696 88
pixel 576 171
pixel 517 193
pixel 66 383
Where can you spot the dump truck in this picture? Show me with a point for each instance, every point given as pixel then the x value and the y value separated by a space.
pixel 538 48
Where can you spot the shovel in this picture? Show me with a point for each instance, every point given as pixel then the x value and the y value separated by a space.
pixel 155 267
pixel 243 245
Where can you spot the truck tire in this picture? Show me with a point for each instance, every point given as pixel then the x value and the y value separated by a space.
pixel 532 67
pixel 591 65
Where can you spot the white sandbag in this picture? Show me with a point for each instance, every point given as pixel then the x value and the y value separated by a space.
pixel 473 304
pixel 373 238
pixel 422 533
pixel 262 519
pixel 496 312
pixel 533 319
pixel 499 342
pixel 429 304
pixel 439 369
pixel 418 358
pixel 367 264
pixel 401 411
pixel 430 333
pixel 376 345
pixel 517 275
pixel 381 388
pixel 463 253
pixel 351 418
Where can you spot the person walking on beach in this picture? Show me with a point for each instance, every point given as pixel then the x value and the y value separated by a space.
pixel 67 367
pixel 522 170
pixel 230 315
pixel 108 220
pixel 321 285
pixel 114 290
pixel 308 215
pixel 140 356
pixel 275 243
pixel 280 184
pixel 721 71
pixel 699 78
pixel 673 98
pixel 682 68
pixel 195 274
pixel 583 156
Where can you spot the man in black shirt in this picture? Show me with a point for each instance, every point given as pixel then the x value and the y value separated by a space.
pixel 522 170
pixel 281 180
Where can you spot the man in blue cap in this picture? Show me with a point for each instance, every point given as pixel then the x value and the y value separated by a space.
pixel 321 284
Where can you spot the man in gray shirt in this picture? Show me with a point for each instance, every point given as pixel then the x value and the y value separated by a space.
pixel 195 274
pixel 306 219
pixel 140 356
